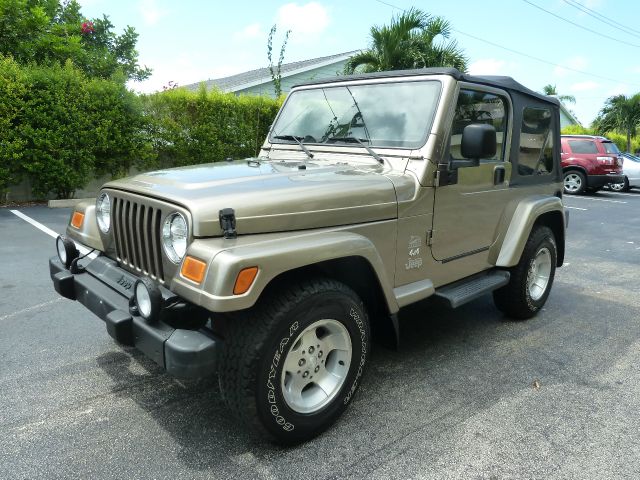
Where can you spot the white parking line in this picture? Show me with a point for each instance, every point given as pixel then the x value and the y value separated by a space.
pixel 28 309
pixel 623 193
pixel 597 199
pixel 81 248
pixel 576 208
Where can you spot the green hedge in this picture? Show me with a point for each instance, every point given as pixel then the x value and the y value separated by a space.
pixel 13 89
pixel 207 126
pixel 60 128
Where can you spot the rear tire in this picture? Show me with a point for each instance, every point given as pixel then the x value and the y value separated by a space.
pixel 620 187
pixel 531 279
pixel 575 182
pixel 291 364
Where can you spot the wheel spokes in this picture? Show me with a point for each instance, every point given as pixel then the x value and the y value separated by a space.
pixel 316 366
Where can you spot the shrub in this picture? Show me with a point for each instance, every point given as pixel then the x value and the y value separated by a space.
pixel 12 90
pixel 577 130
pixel 201 127
pixel 119 129
pixel 59 127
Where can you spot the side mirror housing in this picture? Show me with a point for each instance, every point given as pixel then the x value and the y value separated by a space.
pixel 478 141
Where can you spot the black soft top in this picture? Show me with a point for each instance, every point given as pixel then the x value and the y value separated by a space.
pixel 506 83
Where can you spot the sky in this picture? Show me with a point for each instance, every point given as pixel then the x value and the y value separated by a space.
pixel 189 41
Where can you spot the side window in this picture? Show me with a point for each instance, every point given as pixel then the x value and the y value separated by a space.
pixel 583 146
pixel 475 106
pixel 536 142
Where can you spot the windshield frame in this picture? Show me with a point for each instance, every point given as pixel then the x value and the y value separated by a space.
pixel 392 80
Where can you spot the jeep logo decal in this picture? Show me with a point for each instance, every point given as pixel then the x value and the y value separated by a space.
pixel 123 282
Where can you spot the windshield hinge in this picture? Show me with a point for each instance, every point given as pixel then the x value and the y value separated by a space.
pixel 227 218
pixel 436 177
pixel 430 237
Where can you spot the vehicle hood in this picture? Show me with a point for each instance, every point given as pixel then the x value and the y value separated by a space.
pixel 269 196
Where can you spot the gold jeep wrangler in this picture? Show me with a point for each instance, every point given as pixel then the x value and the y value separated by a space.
pixel 370 193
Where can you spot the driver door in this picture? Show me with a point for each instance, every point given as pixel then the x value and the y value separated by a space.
pixel 469 203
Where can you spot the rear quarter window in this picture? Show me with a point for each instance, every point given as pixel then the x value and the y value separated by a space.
pixel 536 142
pixel 610 147
pixel 583 146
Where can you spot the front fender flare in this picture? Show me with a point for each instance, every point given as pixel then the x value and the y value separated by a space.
pixel 273 258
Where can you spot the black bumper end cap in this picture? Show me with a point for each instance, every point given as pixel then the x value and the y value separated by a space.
pixel 120 327
pixel 190 354
pixel 64 284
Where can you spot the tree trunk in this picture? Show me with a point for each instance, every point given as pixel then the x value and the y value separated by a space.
pixel 628 140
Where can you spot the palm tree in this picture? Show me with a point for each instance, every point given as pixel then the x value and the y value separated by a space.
pixel 409 41
pixel 551 90
pixel 619 113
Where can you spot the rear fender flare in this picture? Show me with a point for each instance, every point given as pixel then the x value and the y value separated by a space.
pixel 526 214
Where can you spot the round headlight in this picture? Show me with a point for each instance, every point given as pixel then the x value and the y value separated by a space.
pixel 174 237
pixel 103 212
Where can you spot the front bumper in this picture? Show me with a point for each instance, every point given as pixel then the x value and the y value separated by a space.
pixel 598 181
pixel 107 291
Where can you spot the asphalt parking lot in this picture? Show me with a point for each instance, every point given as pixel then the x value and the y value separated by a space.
pixel 468 395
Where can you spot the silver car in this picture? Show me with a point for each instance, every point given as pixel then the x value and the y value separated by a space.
pixel 631 172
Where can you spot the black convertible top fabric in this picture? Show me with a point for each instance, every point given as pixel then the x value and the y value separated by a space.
pixel 506 83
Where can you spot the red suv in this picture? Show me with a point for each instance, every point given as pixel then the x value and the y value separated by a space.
pixel 589 163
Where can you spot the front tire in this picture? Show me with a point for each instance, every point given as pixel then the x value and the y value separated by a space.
pixel 531 280
pixel 291 364
pixel 575 182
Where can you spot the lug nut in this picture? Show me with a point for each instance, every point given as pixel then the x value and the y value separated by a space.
pixel 311 349
pixel 316 370
pixel 301 362
pixel 305 374
pixel 320 354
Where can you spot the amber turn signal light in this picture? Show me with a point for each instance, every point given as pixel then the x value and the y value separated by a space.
pixel 245 280
pixel 193 269
pixel 77 219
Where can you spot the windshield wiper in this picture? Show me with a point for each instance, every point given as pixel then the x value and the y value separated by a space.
pixel 298 140
pixel 362 144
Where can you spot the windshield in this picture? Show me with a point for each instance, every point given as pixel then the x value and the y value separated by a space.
pixel 382 115
pixel 610 147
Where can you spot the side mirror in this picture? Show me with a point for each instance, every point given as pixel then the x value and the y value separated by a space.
pixel 478 141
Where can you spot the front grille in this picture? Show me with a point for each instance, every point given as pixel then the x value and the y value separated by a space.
pixel 136 230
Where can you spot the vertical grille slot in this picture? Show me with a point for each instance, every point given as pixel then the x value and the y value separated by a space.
pixel 146 240
pixel 155 241
pixel 137 237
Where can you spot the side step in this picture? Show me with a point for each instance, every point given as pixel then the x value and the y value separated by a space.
pixel 464 291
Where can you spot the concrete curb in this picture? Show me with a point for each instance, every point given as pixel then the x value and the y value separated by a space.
pixel 67 203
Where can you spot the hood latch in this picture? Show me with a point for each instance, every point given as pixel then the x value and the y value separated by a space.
pixel 228 222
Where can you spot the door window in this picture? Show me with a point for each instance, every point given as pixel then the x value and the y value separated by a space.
pixel 536 142
pixel 475 106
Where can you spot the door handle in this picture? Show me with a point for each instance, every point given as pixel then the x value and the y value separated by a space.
pixel 498 175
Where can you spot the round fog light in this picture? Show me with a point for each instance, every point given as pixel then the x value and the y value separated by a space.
pixel 67 251
pixel 148 299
